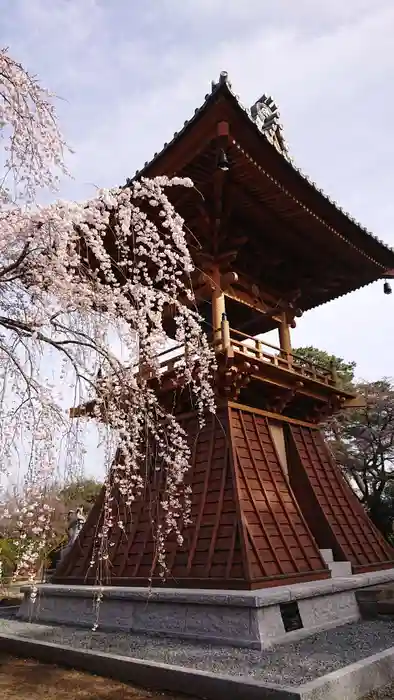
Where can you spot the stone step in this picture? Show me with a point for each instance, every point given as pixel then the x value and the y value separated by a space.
pixel 385 607
pixel 327 555
pixel 375 601
pixel 340 569
pixel 375 593
pixel 377 611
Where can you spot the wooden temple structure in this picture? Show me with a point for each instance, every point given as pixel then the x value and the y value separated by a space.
pixel 268 245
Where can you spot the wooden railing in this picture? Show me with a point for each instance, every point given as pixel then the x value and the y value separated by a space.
pixel 261 352
pixel 258 350
pixel 171 358
pixel 273 355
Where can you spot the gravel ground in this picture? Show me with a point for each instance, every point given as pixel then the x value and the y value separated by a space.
pixel 386 693
pixel 288 664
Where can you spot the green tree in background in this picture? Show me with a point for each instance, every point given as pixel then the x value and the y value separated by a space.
pixel 80 493
pixel 362 439
pixel 363 443
pixel 345 370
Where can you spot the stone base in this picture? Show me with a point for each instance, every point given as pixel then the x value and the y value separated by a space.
pixel 256 619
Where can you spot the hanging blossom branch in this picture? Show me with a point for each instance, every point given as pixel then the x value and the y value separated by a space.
pixel 33 144
pixel 32 158
pixel 72 276
pixel 78 271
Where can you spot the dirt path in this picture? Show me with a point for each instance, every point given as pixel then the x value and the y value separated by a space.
pixel 25 679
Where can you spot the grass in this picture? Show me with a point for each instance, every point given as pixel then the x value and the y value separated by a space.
pixel 22 679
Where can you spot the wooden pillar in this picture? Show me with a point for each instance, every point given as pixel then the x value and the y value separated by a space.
pixel 218 304
pixel 284 338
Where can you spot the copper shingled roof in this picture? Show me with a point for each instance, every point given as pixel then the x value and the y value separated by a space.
pixel 264 118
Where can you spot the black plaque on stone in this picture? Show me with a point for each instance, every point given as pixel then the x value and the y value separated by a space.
pixel 291 616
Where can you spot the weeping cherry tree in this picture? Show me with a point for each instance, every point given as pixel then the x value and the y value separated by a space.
pixel 72 277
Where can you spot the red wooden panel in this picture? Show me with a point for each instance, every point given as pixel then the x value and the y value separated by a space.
pixel 247 530
pixel 267 504
pixel 335 515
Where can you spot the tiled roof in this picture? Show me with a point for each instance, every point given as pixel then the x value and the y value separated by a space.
pixel 264 114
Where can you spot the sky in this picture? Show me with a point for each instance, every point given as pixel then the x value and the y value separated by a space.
pixel 130 72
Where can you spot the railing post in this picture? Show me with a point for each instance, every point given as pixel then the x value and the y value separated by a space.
pixel 259 349
pixel 226 339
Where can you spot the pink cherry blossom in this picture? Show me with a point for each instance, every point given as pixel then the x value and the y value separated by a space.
pixel 72 277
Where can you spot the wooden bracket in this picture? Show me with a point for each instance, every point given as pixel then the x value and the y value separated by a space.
pixel 232 378
pixel 281 401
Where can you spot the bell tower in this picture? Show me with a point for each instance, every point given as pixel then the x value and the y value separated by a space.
pixel 267 494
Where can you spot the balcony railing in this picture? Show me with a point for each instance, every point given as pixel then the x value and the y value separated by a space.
pixel 273 355
pixel 258 350
pixel 263 354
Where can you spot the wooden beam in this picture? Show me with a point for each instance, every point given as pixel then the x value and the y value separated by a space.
pixel 269 296
pixel 244 298
pixel 274 416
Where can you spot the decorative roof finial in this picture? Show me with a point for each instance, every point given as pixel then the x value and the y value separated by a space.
pixel 266 115
pixel 223 80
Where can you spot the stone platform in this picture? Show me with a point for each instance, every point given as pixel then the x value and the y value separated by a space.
pixel 254 619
